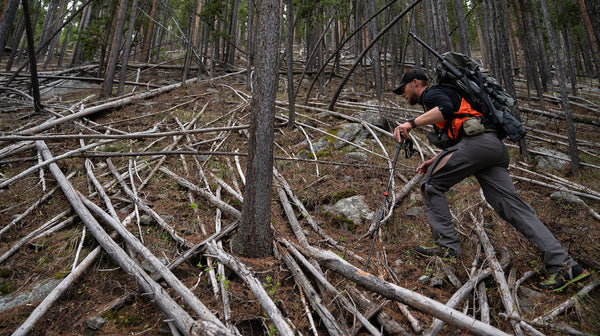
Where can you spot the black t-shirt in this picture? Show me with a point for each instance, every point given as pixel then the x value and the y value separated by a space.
pixel 446 99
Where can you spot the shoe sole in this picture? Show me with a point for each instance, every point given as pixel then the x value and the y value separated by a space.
pixel 580 277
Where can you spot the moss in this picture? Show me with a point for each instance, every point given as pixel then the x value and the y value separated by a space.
pixel 338 195
pixel 5 289
pixel 340 221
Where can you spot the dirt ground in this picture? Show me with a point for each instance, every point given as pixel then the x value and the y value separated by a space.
pixel 52 257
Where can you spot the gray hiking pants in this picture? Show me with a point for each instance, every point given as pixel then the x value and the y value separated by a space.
pixel 487 158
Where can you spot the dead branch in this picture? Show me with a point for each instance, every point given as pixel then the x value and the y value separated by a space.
pixel 44 163
pixel 207 195
pixel 256 286
pixel 397 293
pixel 55 294
pixel 333 327
pixel 461 294
pixel 320 277
pixel 187 295
pixel 169 307
pixel 32 235
pixel 147 209
pixel 507 300
pixel 315 226
pixel 383 318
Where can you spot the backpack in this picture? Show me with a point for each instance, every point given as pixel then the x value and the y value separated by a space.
pixel 501 107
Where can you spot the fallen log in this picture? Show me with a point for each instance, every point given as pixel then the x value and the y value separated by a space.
pixel 256 286
pixel 168 306
pixel 397 293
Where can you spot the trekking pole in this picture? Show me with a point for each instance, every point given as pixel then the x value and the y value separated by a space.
pixel 385 195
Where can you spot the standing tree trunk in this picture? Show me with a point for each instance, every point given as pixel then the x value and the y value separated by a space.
pixel 77 53
pixel 127 48
pixel 232 33
pixel 35 87
pixel 463 33
pixel 289 56
pixel 148 35
pixel 250 48
pixel 564 96
pixel 115 50
pixel 8 17
pixel 254 238
pixel 375 51
pixel 589 28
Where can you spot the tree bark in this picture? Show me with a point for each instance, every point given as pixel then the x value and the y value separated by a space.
pixel 397 293
pixel 168 306
pixel 463 33
pixel 8 17
pixel 35 86
pixel 589 28
pixel 564 95
pixel 127 48
pixel 109 75
pixel 289 57
pixel 254 237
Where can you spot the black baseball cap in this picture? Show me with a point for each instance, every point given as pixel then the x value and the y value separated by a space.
pixel 408 77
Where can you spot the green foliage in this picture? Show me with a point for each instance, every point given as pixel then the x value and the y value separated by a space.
pixel 5 289
pixel 271 286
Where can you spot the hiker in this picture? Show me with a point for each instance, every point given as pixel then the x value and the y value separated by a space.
pixel 484 156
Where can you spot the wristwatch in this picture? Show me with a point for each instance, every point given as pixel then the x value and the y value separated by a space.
pixel 412 123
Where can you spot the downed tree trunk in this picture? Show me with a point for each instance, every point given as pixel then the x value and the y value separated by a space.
pixel 256 286
pixel 397 293
pixel 168 306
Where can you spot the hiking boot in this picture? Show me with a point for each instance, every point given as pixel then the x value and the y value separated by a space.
pixel 560 279
pixel 444 253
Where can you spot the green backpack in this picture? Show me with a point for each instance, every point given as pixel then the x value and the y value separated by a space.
pixel 503 118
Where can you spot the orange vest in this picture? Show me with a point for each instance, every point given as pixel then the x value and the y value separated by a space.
pixel 464 112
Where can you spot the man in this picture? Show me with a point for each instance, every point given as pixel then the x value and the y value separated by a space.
pixel 485 156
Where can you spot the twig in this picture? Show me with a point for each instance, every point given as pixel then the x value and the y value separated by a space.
pixel 147 209
pixel 168 306
pixel 31 235
pixel 315 300
pixel 256 286
pixel 397 293
pixel 504 290
pixel 329 287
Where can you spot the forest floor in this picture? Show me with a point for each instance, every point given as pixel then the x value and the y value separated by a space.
pixel 316 184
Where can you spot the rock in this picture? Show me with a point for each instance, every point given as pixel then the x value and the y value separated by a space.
pixel 416 198
pixel 437 281
pixel 354 208
pixel 374 119
pixel 423 279
pixel 417 211
pixel 96 322
pixel 550 159
pixel 145 220
pixel 528 299
pixel 566 196
pixel 37 294
pixel 349 132
pixel 356 157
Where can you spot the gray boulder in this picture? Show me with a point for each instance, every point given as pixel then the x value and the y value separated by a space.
pixel 354 208
pixel 551 159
